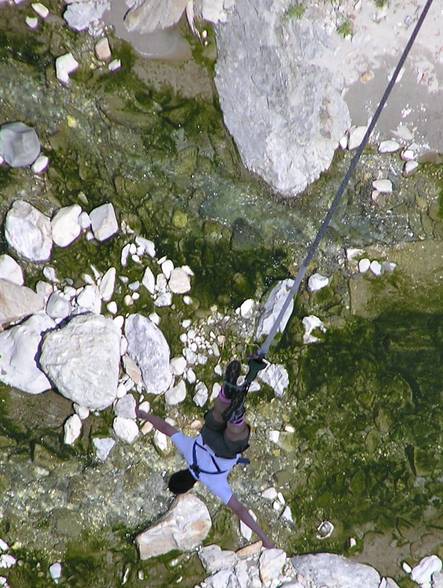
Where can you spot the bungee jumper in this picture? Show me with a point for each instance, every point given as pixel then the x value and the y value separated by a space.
pixel 218 448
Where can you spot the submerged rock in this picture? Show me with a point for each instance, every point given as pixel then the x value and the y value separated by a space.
pixel 19 144
pixel 148 347
pixel 17 302
pixel 152 15
pixel 82 359
pixel 335 571
pixel 184 527
pixel 28 232
pixel 19 348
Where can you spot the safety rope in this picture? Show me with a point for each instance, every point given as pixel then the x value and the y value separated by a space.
pixel 325 224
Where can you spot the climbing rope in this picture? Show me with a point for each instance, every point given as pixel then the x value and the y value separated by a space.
pixel 325 224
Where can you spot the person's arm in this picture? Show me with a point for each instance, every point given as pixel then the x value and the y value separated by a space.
pixel 243 514
pixel 160 424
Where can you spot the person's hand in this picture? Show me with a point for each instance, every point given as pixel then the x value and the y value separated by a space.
pixel 141 414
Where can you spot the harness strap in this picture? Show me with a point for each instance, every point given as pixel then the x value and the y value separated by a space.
pixel 198 470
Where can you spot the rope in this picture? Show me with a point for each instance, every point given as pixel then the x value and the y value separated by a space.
pixel 325 224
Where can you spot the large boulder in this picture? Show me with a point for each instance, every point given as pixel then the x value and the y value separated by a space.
pixel 10 270
pixel 334 571
pixel 272 306
pixel 148 347
pixel 28 231
pixel 184 527
pixel 152 15
pixel 19 348
pixel 17 302
pixel 281 103
pixel 82 359
pixel 19 144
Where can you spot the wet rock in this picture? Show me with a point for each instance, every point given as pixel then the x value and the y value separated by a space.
pixel 10 270
pixel 82 359
pixel 152 15
pixel 19 348
pixel 213 558
pixel 82 15
pixel 272 307
pixel 28 232
pixel 17 302
pixel 176 394
pixel 179 282
pixel 184 527
pixel 388 146
pixel 65 225
pixel 125 429
pixel 19 144
pixel 281 105
pixel 148 347
pixel 103 447
pixel 271 565
pixel 355 137
pixel 72 428
pixel 104 222
pixel 275 376
pixel 422 573
pixel 65 65
pixel 58 307
pixel 335 571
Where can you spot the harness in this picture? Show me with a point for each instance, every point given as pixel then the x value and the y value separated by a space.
pixel 197 469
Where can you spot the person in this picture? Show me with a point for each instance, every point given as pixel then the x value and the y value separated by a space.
pixel 216 450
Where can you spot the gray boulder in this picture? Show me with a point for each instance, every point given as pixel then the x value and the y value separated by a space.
pixel 148 347
pixel 282 105
pixel 82 359
pixel 19 144
pixel 335 571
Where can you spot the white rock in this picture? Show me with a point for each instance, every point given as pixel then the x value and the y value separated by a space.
pixel 44 290
pixel 155 318
pixel 327 569
pixel 353 252
pixel 406 567
pixel 103 50
pixel 19 347
pixel 176 394
pixel 40 164
pixel 247 308
pixel 190 376
pixel 112 307
pixel 388 146
pixel 311 323
pixel 81 411
pixel 272 307
pixel 317 282
pixel 409 168
pixel 165 299
pixel 10 270
pixel 167 267
pixel 103 447
pixel 376 268
pixel 148 347
pixel 3 545
pixel 28 232
pixel 65 226
pixel 104 222
pixel 32 22
pixel 201 394
pixel 269 493
pixel 216 389
pixel 40 9
pixel 82 15
pixel 187 270
pixel 132 369
pixel 437 580
pixel 184 527
pixel 83 358
pixel 162 443
pixel 17 302
pixel 187 300
pixel 55 571
pixel 213 558
pixel 179 281
pixel 64 66
pixel 363 265
pixel 275 376
pixel 422 573
pixel 271 564
pixel 382 186
pixel 145 246
pixel 148 280
pixel 19 144
pixel 107 284
pixel 84 220
pixel 178 365
pixel 125 429
pixel 325 530
pixel 89 298
pixel 7 561
pixel 127 300
pixel 72 428
pixel 355 137
pixel 287 515
pixel 408 155
pixel 125 407
pixel 389 583
pixel 274 436
pixel 125 254
pixel 245 531
pixel 50 274
pixel 58 307
pixel 114 65
pixel 344 141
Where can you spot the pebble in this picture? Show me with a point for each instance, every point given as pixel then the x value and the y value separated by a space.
pixel 187 300
pixel 270 493
pixel 190 376
pixel 115 65
pixel 167 267
pixel 107 285
pixel 28 231
pixel 72 429
pixel 355 137
pixel 119 321
pixel 352 542
pixel 135 296
pixel 382 186
pixel 177 365
pixel 410 167
pixel 125 254
pixel 287 515
pixel 353 252
pixel 179 281
pixel 388 266
pixel 84 220
pixel 104 222
pixel 55 571
pixel 32 22
pixel 376 268
pixel 388 146
pixel 49 273
pixel 58 307
pixel 363 265
pixel 274 436
pixel 148 280
pixel 81 411
pixel 407 155
pixel 136 258
pixel 125 429
pixel 103 50
pixel 40 9
pixel 176 394
pixel 134 286
pixel 128 300
pixel 154 317
pixel 65 226
pixel 406 567
pixel 40 164
pixel 145 246
pixel 247 308
pixel 64 66
pixel 7 561
pixel 201 394
pixel 317 282
pixel 245 531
